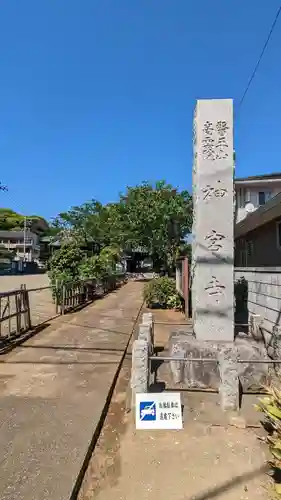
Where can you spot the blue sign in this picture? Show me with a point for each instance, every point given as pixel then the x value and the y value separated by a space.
pixel 148 411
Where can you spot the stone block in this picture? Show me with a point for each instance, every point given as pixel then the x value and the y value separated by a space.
pixel 275 303
pixel 145 333
pixel 278 279
pixel 147 319
pixel 140 368
pixel 177 367
pixel 274 345
pixel 272 279
pixel 229 380
pixel 255 326
pixel 206 375
pixel 194 374
pixel 272 315
pixel 252 376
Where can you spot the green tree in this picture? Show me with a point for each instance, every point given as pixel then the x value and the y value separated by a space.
pixel 86 224
pixel 11 220
pixel 156 218
pixel 152 217
pixel 184 250
pixel 6 254
pixel 64 263
pixel 102 265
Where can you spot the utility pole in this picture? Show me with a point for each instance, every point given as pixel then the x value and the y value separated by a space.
pixel 24 240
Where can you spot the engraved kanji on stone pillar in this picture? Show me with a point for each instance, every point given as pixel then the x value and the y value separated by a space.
pixel 212 268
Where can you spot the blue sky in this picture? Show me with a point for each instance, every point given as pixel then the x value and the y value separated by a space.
pixel 97 95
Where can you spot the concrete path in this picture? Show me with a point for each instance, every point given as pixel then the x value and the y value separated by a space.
pixel 52 393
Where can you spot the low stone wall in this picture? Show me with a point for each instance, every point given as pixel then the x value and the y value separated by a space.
pixel 225 366
pixel 258 295
pixel 143 347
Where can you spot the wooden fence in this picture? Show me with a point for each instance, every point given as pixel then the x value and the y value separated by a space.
pixel 16 313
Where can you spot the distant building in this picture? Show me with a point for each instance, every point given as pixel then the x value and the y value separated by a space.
pixel 48 245
pixel 25 246
pixel 258 236
pixel 253 192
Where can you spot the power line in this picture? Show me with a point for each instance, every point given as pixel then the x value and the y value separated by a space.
pixel 260 58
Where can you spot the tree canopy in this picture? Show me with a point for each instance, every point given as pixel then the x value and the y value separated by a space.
pixel 153 217
pixel 6 254
pixel 11 220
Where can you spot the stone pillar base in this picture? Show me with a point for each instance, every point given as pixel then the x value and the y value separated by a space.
pixel 211 375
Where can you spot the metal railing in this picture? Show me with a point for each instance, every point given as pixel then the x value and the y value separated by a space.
pixel 210 360
pixel 24 309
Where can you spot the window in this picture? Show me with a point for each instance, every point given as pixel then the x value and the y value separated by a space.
pixel 264 196
pixel 240 198
pixel 242 253
pixel 243 258
pixel 278 234
pixel 261 198
pixel 250 248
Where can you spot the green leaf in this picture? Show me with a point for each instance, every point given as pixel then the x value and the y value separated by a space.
pixel 278 488
pixel 273 411
pixel 276 452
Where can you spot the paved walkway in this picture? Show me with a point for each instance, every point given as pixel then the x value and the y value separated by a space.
pixel 52 392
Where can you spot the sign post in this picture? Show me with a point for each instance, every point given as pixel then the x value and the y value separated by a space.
pixel 159 411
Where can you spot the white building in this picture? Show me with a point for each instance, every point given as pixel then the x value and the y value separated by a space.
pixel 25 245
pixel 252 192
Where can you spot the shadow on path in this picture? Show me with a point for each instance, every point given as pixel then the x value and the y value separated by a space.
pixel 219 490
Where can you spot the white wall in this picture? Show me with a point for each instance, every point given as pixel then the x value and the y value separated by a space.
pixel 250 193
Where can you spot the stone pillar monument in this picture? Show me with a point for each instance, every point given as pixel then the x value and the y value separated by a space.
pixel 213 243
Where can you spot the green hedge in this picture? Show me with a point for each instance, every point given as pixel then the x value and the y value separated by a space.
pixel 161 292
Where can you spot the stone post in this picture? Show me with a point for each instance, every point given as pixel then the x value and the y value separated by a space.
pixel 145 334
pixel 147 320
pixel 140 371
pixel 229 380
pixel 213 198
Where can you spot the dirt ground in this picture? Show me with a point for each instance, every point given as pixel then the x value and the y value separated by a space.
pixel 208 459
pixel 42 307
pixel 10 282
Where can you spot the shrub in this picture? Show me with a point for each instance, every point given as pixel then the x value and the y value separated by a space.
pixel 271 407
pixel 162 292
pixel 64 263
pixel 100 266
